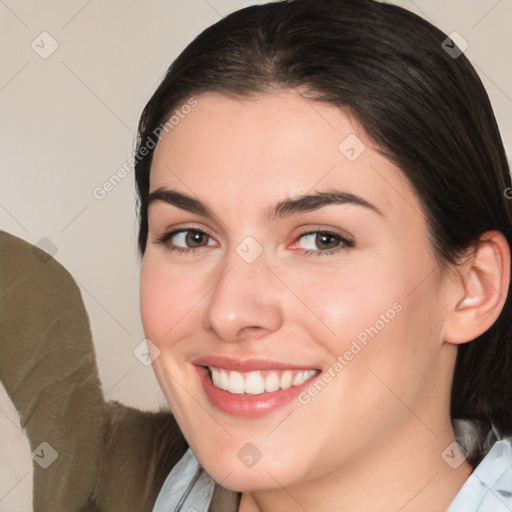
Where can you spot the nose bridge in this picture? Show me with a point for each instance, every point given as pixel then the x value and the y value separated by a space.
pixel 243 296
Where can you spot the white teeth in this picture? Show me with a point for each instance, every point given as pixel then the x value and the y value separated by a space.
pixel 272 382
pixel 254 383
pixel 308 374
pixel 298 379
pixel 224 380
pixel 215 377
pixel 286 379
pixel 220 378
pixel 236 383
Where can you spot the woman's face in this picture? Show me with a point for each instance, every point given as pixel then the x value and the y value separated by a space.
pixel 290 261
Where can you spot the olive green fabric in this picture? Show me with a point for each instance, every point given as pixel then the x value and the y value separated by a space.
pixel 110 458
pixel 47 367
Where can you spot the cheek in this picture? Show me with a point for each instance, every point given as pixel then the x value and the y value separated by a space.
pixel 377 312
pixel 167 306
pixel 153 303
pixel 345 301
pixel 166 298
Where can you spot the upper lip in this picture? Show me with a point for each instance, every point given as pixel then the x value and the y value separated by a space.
pixel 247 365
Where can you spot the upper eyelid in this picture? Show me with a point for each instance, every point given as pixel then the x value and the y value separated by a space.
pixel 320 228
pixel 177 230
pixel 311 229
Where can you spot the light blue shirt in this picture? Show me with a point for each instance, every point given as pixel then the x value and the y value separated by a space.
pixel 489 487
pixel 188 488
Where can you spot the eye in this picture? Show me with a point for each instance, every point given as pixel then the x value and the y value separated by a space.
pixel 185 240
pixel 318 242
pixel 323 242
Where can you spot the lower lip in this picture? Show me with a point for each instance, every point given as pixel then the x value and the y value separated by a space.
pixel 248 406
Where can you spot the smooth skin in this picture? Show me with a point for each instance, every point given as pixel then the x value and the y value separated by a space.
pixel 373 438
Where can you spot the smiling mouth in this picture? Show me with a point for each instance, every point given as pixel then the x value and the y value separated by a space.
pixel 258 382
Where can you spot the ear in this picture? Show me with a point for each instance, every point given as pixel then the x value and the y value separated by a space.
pixel 477 297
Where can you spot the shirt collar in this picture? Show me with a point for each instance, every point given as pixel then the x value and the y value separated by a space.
pixel 489 487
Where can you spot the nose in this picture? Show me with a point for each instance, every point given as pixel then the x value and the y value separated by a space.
pixel 245 301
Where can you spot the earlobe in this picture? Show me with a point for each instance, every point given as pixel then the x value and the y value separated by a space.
pixel 479 295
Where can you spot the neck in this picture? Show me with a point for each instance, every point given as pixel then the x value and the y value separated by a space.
pixel 405 472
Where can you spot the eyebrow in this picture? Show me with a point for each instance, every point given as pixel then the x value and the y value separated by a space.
pixel 283 208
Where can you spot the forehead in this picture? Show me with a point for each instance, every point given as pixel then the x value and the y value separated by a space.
pixel 279 128
pixel 277 145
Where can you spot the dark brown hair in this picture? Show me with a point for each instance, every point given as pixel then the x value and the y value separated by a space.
pixel 423 106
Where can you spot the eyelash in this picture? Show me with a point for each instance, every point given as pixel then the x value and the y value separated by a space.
pixel 345 242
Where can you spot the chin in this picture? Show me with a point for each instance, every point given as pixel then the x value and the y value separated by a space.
pixel 236 471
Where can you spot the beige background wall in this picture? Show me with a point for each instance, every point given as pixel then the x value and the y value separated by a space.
pixel 69 121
